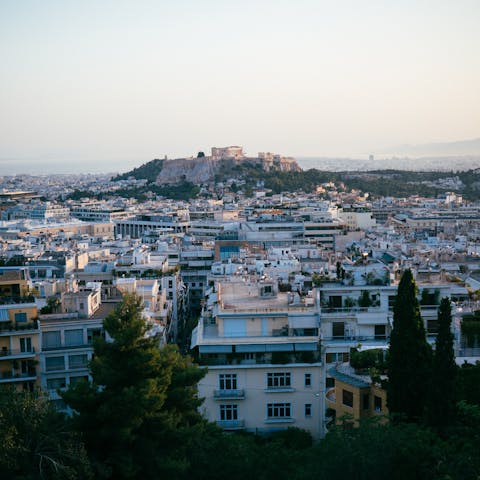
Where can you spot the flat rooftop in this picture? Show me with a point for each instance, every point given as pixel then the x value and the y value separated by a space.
pixel 244 295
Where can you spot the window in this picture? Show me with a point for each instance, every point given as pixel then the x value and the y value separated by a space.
pixel 54 363
pixel 391 301
pixel 51 339
pixel 73 337
pixel 21 317
pixel 228 412
pixel 308 379
pixel 330 382
pixel 308 409
pixel 78 361
pixel 347 398
pixel 26 344
pixel 338 329
pixel 380 331
pixel 24 367
pixel 377 404
pixel 81 378
pixel 228 381
pixel 56 383
pixel 279 380
pixel 279 410
pixel 337 357
pixel 92 334
pixel 365 401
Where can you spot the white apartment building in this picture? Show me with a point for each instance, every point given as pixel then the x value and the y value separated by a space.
pixel 361 316
pixel 263 355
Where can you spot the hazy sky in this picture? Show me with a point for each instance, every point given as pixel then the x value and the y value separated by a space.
pixel 114 81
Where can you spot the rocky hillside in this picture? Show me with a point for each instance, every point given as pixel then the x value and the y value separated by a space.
pixel 206 169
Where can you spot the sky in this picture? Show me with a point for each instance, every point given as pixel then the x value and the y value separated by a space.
pixel 107 83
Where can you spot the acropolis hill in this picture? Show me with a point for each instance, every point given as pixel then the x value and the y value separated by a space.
pixel 203 168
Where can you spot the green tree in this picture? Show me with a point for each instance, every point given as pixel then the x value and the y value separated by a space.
pixel 469 383
pixel 410 355
pixel 52 306
pixel 443 389
pixel 138 413
pixel 36 440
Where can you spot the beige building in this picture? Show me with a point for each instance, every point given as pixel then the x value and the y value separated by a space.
pixel 263 356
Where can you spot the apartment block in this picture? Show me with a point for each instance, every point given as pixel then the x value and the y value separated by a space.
pixel 263 355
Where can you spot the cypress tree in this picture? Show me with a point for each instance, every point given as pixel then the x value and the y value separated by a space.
pixel 410 355
pixel 441 409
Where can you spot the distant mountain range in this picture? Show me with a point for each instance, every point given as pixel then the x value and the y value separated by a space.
pixel 443 156
pixel 462 147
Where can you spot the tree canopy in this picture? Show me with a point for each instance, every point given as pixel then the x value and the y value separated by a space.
pixel 142 400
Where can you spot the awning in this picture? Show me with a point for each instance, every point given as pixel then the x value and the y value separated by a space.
pixel 279 347
pixel 250 348
pixel 215 349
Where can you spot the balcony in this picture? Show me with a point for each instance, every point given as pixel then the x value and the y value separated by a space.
pixel 284 389
pixel 9 377
pixel 13 300
pixel 355 339
pixel 67 347
pixel 235 394
pixel 274 358
pixel 231 424
pixel 7 327
pixel 8 354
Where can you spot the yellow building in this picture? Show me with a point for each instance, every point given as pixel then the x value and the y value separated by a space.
pixel 19 330
pixel 355 396
pixel 19 344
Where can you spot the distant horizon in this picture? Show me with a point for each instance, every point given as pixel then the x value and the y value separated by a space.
pixel 52 166
pixel 116 81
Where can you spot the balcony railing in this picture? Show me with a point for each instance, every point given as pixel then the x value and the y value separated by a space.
pixel 356 338
pixel 231 424
pixel 353 309
pixel 6 352
pixel 274 358
pixel 18 326
pixel 17 299
pixel 15 376
pixel 67 347
pixel 234 394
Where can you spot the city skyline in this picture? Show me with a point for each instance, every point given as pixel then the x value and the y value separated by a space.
pixel 120 83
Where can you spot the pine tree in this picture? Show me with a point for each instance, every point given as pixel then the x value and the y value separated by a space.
pixel 441 409
pixel 138 411
pixel 37 441
pixel 409 357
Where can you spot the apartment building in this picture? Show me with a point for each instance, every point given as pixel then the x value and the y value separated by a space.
pixel 363 315
pixel 67 339
pixel 19 344
pixel 195 265
pixel 263 355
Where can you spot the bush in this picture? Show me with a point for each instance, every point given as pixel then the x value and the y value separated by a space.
pixel 368 359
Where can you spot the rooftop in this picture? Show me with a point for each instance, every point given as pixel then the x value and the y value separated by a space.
pixel 240 295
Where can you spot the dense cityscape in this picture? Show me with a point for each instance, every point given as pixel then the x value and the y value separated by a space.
pixel 239 240
pixel 286 303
